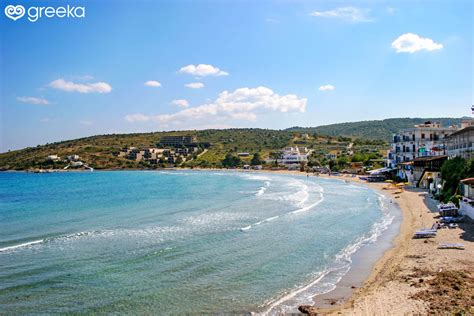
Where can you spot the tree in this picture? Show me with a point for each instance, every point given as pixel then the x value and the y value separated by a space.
pixel 342 161
pixel 256 160
pixel 231 161
pixel 178 161
pixel 358 157
pixel 470 169
pixel 453 171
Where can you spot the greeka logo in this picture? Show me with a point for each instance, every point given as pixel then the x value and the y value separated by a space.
pixel 16 12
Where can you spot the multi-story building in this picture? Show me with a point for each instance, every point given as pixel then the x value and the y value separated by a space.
pixel 461 142
pixel 294 155
pixel 177 141
pixel 423 140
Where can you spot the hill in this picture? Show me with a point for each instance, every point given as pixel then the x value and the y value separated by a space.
pixel 361 139
pixel 377 129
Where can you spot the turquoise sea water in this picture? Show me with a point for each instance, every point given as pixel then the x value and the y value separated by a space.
pixel 178 241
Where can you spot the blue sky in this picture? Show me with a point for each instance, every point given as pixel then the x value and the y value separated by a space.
pixel 124 67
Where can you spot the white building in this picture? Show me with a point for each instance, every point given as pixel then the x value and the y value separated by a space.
pixel 294 155
pixel 53 158
pixel 73 157
pixel 423 140
pixel 461 143
pixel 467 202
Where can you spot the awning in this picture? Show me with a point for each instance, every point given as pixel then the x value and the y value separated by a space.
pixel 468 181
pixel 381 170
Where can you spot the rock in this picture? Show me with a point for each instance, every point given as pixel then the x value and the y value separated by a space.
pixel 308 310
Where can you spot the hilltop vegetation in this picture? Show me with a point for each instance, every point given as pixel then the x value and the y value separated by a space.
pixel 358 141
pixel 98 151
pixel 379 129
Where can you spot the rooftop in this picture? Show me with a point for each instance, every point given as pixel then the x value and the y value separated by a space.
pixel 462 131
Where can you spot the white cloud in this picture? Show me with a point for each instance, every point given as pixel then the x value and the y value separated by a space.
pixel 195 85
pixel 45 120
pixel 137 117
pixel 33 100
pixel 411 43
pixel 351 14
pixel 69 86
pixel 244 116
pixel 202 70
pixel 242 104
pixel 327 87
pixel 152 83
pixel 181 103
pixel 86 122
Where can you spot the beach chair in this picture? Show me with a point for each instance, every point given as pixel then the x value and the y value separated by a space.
pixel 451 246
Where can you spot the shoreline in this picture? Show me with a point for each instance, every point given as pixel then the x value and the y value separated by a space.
pixel 368 260
pixel 382 251
pixel 408 270
pixel 344 288
pixel 394 277
pixel 353 284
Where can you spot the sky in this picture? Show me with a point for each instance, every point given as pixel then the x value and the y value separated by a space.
pixel 142 66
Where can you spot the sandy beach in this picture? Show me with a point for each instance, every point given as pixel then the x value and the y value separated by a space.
pixel 414 276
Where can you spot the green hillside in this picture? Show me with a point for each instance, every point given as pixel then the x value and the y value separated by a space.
pixel 379 129
pixel 369 139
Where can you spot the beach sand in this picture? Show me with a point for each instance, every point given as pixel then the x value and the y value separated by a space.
pixel 414 276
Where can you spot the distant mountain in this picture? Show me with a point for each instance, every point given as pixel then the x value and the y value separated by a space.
pixel 377 129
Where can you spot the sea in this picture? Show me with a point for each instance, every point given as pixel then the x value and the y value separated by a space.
pixel 179 241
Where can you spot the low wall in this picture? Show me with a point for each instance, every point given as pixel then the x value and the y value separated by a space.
pixel 466 208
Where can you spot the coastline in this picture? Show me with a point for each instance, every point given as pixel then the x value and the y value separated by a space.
pixel 368 260
pixel 350 283
pixel 400 274
pixel 407 271
pixel 413 271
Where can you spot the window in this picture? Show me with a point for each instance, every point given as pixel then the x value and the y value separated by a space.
pixel 422 136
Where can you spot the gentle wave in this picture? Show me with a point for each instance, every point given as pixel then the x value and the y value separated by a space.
pixel 303 209
pixel 159 233
pixel 340 266
pixel 275 303
pixel 307 208
pixel 26 244
pixel 146 232
pixel 262 190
